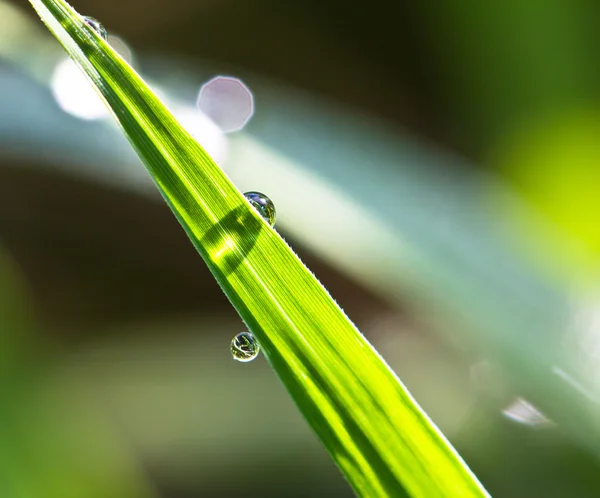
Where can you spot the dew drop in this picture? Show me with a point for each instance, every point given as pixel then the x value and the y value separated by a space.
pixel 97 27
pixel 263 205
pixel 244 347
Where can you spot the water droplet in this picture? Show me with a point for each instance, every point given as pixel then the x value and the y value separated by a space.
pixel 263 205
pixel 244 347
pixel 97 27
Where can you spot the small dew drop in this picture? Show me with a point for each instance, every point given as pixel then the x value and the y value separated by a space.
pixel 97 27
pixel 244 347
pixel 263 205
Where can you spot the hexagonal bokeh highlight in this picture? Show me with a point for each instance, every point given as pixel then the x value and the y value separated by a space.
pixel 227 101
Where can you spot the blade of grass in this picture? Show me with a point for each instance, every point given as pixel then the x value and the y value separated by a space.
pixel 375 431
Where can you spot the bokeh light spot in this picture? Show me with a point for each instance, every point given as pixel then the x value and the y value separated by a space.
pixel 523 412
pixel 122 48
pixel 74 93
pixel 227 101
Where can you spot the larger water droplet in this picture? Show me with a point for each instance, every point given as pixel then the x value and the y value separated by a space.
pixel 244 347
pixel 97 27
pixel 263 205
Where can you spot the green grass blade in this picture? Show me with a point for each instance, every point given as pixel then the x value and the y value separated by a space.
pixel 372 427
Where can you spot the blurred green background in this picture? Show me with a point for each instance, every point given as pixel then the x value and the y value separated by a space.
pixel 435 164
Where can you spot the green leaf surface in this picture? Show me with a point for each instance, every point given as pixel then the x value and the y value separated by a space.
pixel 375 431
